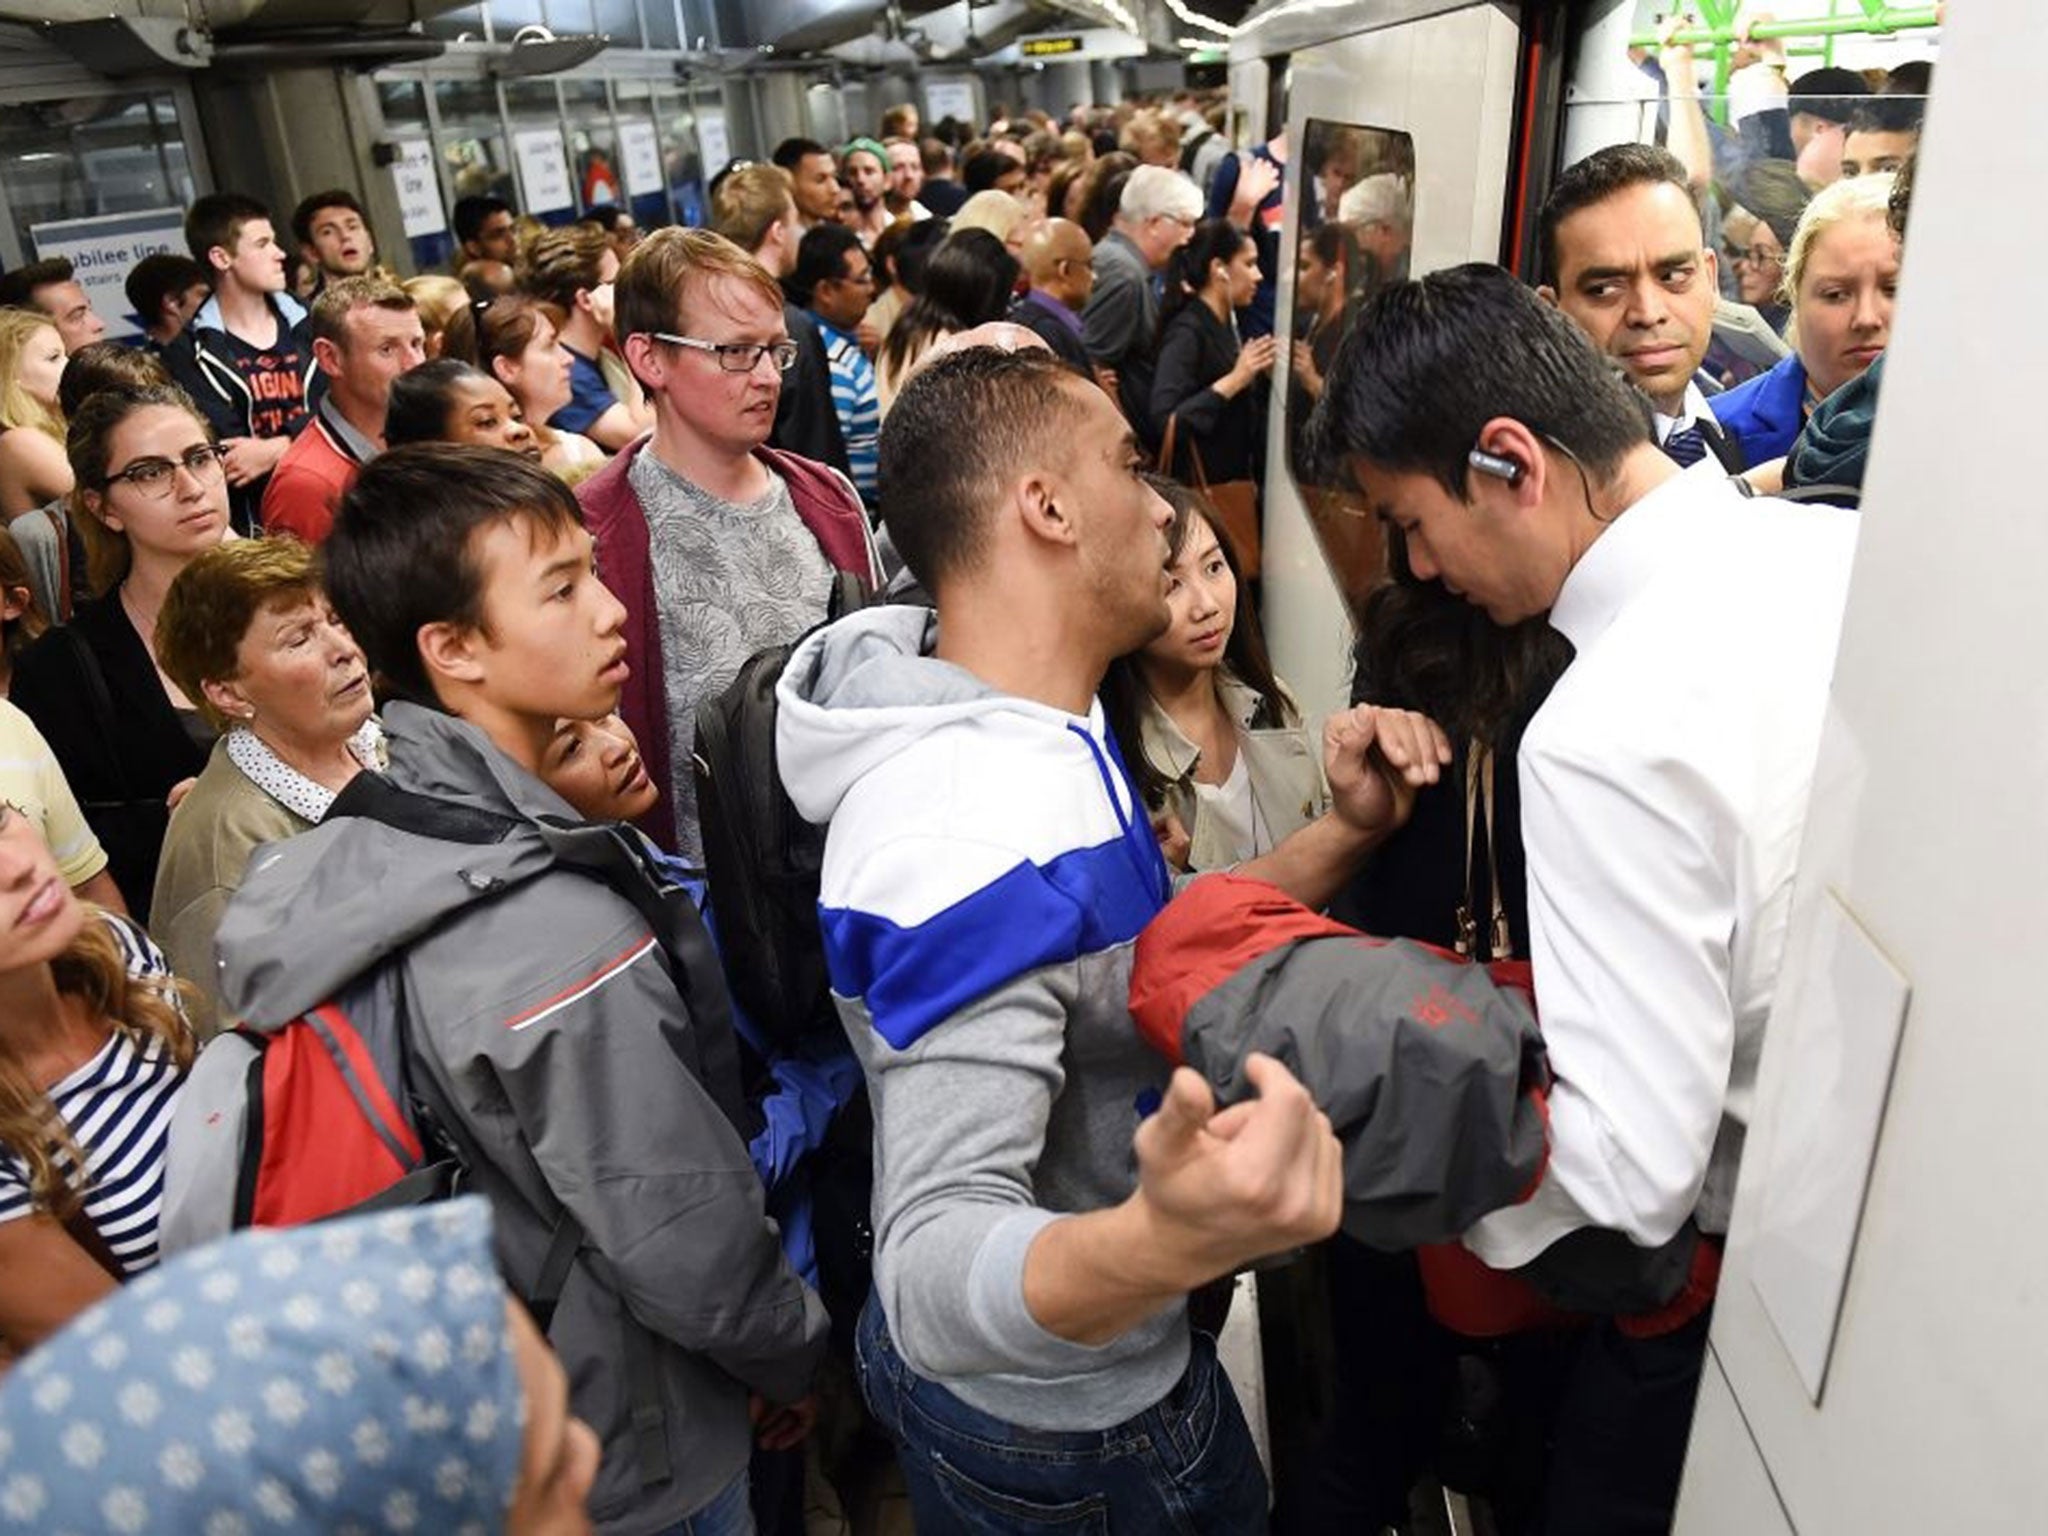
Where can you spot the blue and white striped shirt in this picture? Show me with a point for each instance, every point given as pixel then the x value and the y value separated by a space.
pixel 118 1106
pixel 859 408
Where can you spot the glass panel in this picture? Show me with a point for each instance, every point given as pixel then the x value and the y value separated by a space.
pixel 85 158
pixel 620 21
pixel 475 158
pixel 633 101
pixel 677 125
pixel 593 144
pixel 569 15
pixel 663 28
pixel 465 24
pixel 508 16
pixel 532 105
pixel 1354 237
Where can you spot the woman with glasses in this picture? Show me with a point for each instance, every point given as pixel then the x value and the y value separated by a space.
pixel 1773 197
pixel 151 497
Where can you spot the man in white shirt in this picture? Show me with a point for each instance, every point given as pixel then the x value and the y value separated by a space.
pixel 1664 786
pixel 1624 254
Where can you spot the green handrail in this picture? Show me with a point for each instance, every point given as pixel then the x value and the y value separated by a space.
pixel 1882 18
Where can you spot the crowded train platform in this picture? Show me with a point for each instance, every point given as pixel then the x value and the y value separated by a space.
pixel 989 767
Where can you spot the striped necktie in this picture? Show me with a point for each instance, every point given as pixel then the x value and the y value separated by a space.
pixel 1686 447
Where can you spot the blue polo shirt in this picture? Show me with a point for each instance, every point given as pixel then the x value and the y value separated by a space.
pixel 589 396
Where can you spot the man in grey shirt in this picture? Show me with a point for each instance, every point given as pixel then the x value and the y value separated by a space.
pixel 718 545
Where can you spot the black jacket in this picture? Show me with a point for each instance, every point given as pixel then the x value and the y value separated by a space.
pixel 1195 350
pixel 805 422
pixel 1065 340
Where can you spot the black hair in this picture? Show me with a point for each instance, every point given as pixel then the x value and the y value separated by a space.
pixel 17 288
pixel 337 197
pixel 791 153
pixel 984 169
pixel 963 425
pixel 1915 77
pixel 1188 271
pixel 420 398
pixel 1598 177
pixel 1772 190
pixel 1124 692
pixel 402 554
pixel 1888 114
pixel 606 216
pixel 1831 93
pixel 967 282
pixel 914 252
pixel 470 213
pixel 1422 648
pixel 217 220
pixel 821 254
pixel 155 278
pixel 1429 362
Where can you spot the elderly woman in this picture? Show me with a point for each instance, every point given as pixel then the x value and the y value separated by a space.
pixel 247 633
pixel 1841 278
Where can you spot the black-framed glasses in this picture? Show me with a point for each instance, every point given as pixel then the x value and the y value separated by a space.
pixel 153 476
pixel 736 356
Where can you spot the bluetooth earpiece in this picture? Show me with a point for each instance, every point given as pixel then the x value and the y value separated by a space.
pixel 1496 465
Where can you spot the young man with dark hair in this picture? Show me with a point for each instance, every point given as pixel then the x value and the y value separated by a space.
pixel 835 281
pixel 1664 784
pixel 1624 255
pixel 247 356
pixel 1883 133
pixel 366 332
pixel 991 169
pixel 51 286
pixel 1819 106
pixel 165 291
pixel 334 236
pixel 813 180
pixel 752 208
pixel 717 544
pixel 484 230
pixel 545 1027
pixel 988 866
pixel 941 192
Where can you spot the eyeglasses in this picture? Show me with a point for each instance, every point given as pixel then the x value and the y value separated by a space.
pixel 153 477
pixel 1755 255
pixel 736 356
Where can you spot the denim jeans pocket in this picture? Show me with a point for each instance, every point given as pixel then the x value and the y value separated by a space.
pixel 983 1511
pixel 1219 1474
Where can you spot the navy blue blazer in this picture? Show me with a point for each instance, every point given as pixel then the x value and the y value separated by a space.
pixel 1765 414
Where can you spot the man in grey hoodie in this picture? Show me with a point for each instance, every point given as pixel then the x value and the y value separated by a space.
pixel 987 868
pixel 587 1086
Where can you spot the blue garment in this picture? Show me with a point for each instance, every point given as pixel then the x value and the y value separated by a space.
pixel 730 1514
pixel 858 406
pixel 1765 415
pixel 1185 1464
pixel 353 1375
pixel 589 396
pixel 813 1083
pixel 1256 318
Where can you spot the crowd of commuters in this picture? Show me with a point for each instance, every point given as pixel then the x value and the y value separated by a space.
pixel 357 637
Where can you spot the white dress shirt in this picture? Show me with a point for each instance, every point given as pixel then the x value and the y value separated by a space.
pixel 1664 788
pixel 1691 410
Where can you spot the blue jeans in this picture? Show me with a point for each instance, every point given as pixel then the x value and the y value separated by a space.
pixel 1185 1466
pixel 729 1514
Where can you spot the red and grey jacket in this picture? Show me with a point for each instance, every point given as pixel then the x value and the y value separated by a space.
pixel 1433 1074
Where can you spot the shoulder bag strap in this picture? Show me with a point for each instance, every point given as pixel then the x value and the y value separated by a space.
pixel 82 1231
pixel 1166 446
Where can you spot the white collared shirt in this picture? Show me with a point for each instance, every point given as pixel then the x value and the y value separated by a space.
pixel 1692 408
pixel 1664 787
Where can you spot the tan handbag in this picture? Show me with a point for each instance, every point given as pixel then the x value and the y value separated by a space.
pixel 1235 502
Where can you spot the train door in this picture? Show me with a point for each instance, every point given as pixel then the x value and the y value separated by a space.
pixel 1400 141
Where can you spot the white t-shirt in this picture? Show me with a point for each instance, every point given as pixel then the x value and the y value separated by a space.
pixel 1235 810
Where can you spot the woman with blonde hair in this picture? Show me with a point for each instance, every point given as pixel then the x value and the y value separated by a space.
pixel 33 470
pixel 438 298
pixel 93 1052
pixel 1841 279
pixel 151 496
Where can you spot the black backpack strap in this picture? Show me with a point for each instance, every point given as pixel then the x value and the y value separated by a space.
pixel 375 798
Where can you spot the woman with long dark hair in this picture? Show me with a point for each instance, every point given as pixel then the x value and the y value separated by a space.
pixel 1220 753
pixel 1207 378
pixel 968 282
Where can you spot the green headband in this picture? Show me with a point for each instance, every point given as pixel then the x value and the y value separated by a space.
pixel 871 146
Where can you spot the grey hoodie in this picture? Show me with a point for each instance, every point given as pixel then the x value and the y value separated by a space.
pixel 986 871
pixel 546 1030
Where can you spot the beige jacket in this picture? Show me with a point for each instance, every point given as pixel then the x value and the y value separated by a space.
pixel 1285 764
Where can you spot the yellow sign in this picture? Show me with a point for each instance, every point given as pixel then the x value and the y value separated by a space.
pixel 1048 47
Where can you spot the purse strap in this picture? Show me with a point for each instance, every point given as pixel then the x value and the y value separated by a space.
pixel 1479 765
pixel 80 1229
pixel 1168 442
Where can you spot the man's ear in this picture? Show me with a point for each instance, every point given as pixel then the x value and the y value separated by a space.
pixel 451 651
pixel 220 258
pixel 1040 504
pixel 1511 440
pixel 327 354
pixel 645 360
pixel 1547 294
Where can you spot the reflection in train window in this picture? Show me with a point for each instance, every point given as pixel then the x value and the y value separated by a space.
pixel 1354 236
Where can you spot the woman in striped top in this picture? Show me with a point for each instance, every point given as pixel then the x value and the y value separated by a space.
pixel 93 1050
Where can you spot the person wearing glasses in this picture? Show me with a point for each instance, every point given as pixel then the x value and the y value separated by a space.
pixel 1057 259
pixel 717 544
pixel 151 496
pixel 1155 217
pixel 835 280
pixel 1774 197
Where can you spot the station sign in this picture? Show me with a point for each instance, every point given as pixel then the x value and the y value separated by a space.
pixel 1050 47
pixel 419 191
pixel 950 98
pixel 544 180
pixel 641 152
pixel 101 251
pixel 1080 45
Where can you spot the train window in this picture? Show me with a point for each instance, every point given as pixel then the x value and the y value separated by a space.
pixel 78 159
pixel 473 140
pixel 1353 238
pixel 664 25
pixel 619 20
